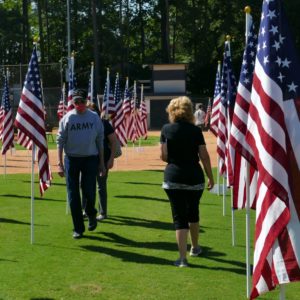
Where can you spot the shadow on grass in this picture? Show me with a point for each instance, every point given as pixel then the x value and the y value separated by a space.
pixel 42 298
pixel 120 220
pixel 142 183
pixel 28 197
pixel 124 242
pixel 58 184
pixel 141 197
pixel 210 254
pixel 7 260
pixel 12 221
pixel 127 256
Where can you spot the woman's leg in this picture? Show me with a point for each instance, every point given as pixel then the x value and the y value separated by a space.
pixel 194 232
pixel 178 202
pixel 194 216
pixel 181 238
pixel 102 191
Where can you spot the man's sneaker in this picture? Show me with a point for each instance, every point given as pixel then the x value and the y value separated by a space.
pixel 181 263
pixel 92 223
pixel 101 217
pixel 77 235
pixel 195 251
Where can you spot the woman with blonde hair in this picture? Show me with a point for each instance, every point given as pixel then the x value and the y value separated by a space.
pixel 182 147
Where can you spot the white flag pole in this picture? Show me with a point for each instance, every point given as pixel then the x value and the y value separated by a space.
pixel 228 135
pixel 92 81
pixel 282 292
pixel 32 193
pixel 247 182
pixel 232 219
pixel 107 92
pixel 224 195
pixel 4 165
pixel 218 175
pixel 63 97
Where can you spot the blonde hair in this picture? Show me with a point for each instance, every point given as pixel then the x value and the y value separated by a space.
pixel 180 109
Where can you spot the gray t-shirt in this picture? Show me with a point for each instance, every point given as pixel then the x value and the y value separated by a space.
pixel 80 135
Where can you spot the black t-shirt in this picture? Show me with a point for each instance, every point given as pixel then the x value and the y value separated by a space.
pixel 183 140
pixel 108 129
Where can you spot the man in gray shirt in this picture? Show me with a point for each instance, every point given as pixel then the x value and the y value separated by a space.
pixel 80 136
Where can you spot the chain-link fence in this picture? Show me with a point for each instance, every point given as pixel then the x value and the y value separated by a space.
pixel 52 78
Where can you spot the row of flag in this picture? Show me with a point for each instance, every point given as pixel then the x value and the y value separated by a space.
pixel 257 123
pixel 127 113
pixel 29 121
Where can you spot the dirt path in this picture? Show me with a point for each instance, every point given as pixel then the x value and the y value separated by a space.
pixel 144 158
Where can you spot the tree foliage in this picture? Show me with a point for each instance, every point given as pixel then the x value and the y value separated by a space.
pixel 127 35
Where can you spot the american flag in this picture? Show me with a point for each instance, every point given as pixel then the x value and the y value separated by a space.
pixel 239 127
pixel 7 130
pixel 30 119
pixel 274 136
pixel 228 94
pixel 118 117
pixel 72 83
pixel 216 103
pixel 108 104
pixel 62 107
pixel 208 113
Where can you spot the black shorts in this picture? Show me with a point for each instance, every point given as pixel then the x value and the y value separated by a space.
pixel 184 206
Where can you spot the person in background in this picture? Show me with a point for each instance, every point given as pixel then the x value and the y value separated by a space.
pixel 80 136
pixel 109 147
pixel 182 146
pixel 200 116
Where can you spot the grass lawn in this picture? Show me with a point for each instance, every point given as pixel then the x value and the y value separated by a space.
pixel 129 255
pixel 150 141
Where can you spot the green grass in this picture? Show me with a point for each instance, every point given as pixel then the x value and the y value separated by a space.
pixel 150 141
pixel 129 256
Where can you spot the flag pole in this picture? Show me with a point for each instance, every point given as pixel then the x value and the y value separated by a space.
pixel 64 97
pixel 224 194
pixel 228 38
pixel 92 81
pixel 248 270
pixel 282 292
pixel 5 165
pixel 218 175
pixel 107 91
pixel 32 193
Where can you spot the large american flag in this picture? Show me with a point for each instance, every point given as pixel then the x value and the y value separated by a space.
pixel 239 127
pixel 62 107
pixel 72 83
pixel 7 130
pixel 228 94
pixel 118 117
pixel 274 136
pixel 30 119
pixel 214 120
pixel 108 103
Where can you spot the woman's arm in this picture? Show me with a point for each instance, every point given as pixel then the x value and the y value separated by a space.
pixel 112 141
pixel 205 160
pixel 164 152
